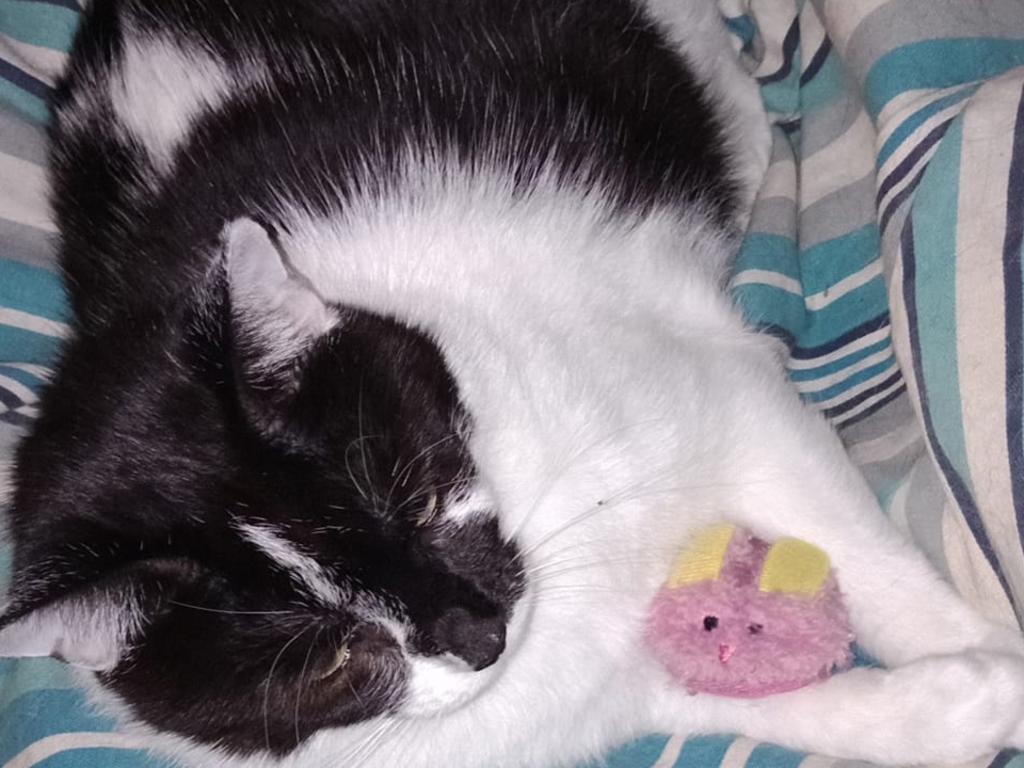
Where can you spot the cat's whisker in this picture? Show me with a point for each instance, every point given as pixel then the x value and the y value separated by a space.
pixel 302 679
pixel 269 679
pixel 233 613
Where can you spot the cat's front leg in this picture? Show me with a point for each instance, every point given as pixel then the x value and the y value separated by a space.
pixel 937 710
pixel 797 481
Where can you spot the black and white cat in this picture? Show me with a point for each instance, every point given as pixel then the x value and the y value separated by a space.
pixel 401 366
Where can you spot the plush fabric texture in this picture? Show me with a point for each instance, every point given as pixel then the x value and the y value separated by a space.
pixel 884 250
pixel 743 631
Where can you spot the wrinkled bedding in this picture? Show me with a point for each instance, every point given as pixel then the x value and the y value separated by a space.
pixel 884 252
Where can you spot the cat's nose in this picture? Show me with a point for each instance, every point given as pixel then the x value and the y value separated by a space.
pixel 477 640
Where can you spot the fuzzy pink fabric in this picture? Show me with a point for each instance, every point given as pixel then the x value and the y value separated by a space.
pixel 726 637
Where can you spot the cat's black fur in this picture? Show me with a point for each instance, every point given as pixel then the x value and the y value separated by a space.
pixel 161 432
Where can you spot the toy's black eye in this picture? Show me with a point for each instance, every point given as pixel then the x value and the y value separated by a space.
pixel 755 629
pixel 710 622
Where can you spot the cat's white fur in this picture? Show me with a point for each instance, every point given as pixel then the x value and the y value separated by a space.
pixel 619 403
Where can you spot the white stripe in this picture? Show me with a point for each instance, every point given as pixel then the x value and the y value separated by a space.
pixel 39 371
pixel 300 566
pixel 987 148
pixel 18 319
pixel 25 201
pixel 767 277
pixel 911 141
pixel 970 571
pixel 849 158
pixel 838 421
pixel 43 63
pixel 837 354
pixel 17 388
pixel 908 102
pixel 739 753
pixel 850 283
pixel 44 748
pixel 31 411
pixel 816 761
pixel 670 753
pixel 779 181
pixel 816 385
pixel 865 385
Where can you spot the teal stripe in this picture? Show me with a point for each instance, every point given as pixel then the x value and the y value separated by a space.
pixel 889 364
pixel 935 224
pixel 30 380
pixel 845 313
pixel 742 27
pixel 37 714
pixel 32 290
pixel 912 123
pixel 825 264
pixel 20 346
pixel 763 304
pixel 938 64
pixel 42 24
pixel 774 253
pixel 21 676
pixel 842 363
pixel 101 758
pixel 771 756
pixel 24 103
pixel 704 752
pixel 826 87
pixel 642 752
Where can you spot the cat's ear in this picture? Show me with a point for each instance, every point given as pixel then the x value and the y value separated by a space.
pixel 276 320
pixel 276 312
pixel 91 627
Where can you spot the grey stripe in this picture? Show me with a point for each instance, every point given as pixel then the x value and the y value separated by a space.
pixel 910 21
pixel 823 126
pixel 926 498
pixel 893 416
pixel 774 216
pixel 28 245
pixel 20 138
pixel 839 213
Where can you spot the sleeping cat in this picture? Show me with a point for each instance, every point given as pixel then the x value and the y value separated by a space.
pixel 401 365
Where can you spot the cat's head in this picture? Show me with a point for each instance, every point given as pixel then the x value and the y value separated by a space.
pixel 256 515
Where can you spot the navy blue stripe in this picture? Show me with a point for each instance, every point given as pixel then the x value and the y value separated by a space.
pixel 817 62
pixel 10 399
pixel 908 162
pixel 69 4
pixel 1003 758
pixel 870 326
pixel 860 397
pixel 15 418
pixel 956 483
pixel 875 407
pixel 789 48
pixel 898 200
pixel 24 80
pixel 1013 279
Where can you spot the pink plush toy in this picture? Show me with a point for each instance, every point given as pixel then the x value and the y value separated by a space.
pixel 741 617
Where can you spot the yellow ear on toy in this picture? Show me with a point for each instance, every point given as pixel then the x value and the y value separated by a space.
pixel 703 559
pixel 794 567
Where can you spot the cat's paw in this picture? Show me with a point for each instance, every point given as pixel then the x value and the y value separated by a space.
pixel 972 705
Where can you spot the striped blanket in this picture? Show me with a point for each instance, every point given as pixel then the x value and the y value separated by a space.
pixel 884 251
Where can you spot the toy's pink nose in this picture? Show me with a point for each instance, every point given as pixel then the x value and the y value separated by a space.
pixel 725 652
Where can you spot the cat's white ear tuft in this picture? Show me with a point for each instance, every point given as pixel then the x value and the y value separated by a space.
pixel 277 312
